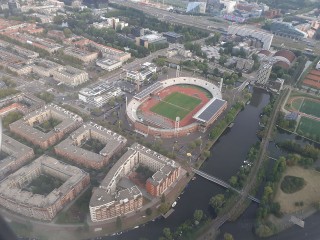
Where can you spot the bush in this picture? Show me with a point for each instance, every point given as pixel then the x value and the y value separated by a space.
pixel 292 184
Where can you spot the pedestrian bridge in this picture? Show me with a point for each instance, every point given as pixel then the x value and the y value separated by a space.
pixel 222 183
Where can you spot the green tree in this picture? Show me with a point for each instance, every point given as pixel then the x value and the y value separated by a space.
pixel 167 233
pixel 119 223
pixel 217 202
pixel 67 32
pixel 227 236
pixel 148 211
pixel 198 215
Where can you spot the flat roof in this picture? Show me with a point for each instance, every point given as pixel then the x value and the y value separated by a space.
pixel 209 110
pixel 173 34
pixel 148 90
pixel 110 139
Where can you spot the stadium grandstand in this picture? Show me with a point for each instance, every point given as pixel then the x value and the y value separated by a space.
pixel 201 117
pixel 149 90
pixel 210 112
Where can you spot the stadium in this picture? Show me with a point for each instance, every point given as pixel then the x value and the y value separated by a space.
pixel 175 107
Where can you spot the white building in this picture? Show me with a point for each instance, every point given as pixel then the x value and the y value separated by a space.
pixel 264 37
pixel 108 64
pixel 264 73
pixel 99 95
pixel 318 66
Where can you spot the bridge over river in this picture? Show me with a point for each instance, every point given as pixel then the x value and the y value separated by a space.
pixel 222 183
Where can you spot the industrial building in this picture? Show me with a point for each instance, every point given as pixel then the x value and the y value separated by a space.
pixel 71 147
pixel 264 37
pixel 30 127
pixel 153 38
pixel 14 197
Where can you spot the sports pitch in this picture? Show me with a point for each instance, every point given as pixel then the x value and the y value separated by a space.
pixel 310 107
pixel 309 128
pixel 176 105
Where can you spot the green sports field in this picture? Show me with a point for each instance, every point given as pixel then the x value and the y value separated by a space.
pixel 309 128
pixel 310 107
pixel 176 105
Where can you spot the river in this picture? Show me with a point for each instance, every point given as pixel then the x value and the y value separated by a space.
pixel 227 155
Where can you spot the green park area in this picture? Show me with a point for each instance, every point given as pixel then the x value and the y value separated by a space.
pixel 309 128
pixel 176 105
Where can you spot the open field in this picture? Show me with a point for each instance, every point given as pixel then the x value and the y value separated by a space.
pixel 176 105
pixel 208 94
pixel 309 194
pixel 310 107
pixel 309 128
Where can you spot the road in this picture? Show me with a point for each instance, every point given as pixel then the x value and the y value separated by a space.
pixel 204 23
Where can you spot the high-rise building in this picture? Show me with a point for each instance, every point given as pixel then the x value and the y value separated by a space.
pixel 264 73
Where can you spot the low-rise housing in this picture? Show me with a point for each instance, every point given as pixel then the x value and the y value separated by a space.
pixel 71 147
pixel 18 155
pixel 45 68
pixel 108 64
pixel 110 201
pixel 29 127
pixel 70 76
pixel 14 197
pixel 81 54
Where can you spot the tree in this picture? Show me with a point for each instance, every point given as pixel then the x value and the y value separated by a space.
pixel 163 198
pixel 227 236
pixel 148 211
pixel 217 202
pixel 198 215
pixel 119 223
pixel 167 233
pixel 67 32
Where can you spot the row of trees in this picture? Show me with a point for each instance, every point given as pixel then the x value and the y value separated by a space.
pixel 286 123
pixel 263 227
pixel 308 150
pixel 187 229
pixel 221 126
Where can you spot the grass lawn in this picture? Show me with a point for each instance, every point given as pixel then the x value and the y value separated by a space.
pixel 310 107
pixel 309 128
pixel 309 194
pixel 205 91
pixel 176 105
pixel 296 104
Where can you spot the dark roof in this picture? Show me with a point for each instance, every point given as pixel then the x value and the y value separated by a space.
pixel 209 110
pixel 144 93
pixel 172 34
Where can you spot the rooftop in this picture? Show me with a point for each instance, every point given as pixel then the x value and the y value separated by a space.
pixel 209 110
pixel 11 187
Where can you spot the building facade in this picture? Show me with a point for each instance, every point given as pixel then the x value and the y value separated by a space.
pixel 15 198
pixel 71 148
pixel 25 127
pixel 107 202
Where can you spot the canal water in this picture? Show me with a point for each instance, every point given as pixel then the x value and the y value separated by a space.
pixel 227 155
